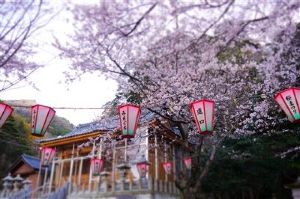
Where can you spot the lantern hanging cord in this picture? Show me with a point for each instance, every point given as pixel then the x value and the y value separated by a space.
pixel 263 96
pixel 74 108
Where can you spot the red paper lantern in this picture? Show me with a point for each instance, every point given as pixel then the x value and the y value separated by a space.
pixel 47 155
pixel 97 165
pixel 188 162
pixel 129 116
pixel 41 119
pixel 168 167
pixel 143 168
pixel 203 112
pixel 5 112
pixel 289 101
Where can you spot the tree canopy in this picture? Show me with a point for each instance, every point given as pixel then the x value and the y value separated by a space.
pixel 167 54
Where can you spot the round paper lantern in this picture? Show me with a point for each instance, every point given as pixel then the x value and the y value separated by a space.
pixel 97 165
pixel 289 101
pixel 203 112
pixel 41 119
pixel 129 116
pixel 47 155
pixel 188 162
pixel 5 112
pixel 143 168
pixel 168 167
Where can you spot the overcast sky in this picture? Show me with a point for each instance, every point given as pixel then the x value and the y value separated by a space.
pixel 92 90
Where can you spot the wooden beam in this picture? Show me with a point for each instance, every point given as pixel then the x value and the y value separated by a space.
pixel 72 139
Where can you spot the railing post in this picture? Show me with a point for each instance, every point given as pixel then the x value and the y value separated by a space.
pixel 51 175
pixel 70 175
pixel 140 184
pixel 150 183
pixel 45 179
pixel 130 185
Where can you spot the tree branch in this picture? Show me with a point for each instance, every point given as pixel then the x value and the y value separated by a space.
pixel 206 167
pixel 138 22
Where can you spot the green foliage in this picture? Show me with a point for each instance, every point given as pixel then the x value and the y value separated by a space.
pixel 236 55
pixel 15 140
pixel 252 167
pixel 58 126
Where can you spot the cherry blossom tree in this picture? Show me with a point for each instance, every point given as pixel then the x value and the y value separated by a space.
pixel 19 20
pixel 169 53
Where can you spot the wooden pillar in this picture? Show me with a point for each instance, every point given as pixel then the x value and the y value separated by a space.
pixel 91 176
pixel 61 172
pixel 99 180
pixel 80 172
pixel 156 161
pixel 113 167
pixel 51 175
pixel 125 151
pixel 165 154
pixel 174 168
pixel 76 164
pixel 148 176
pixel 71 169
pixel 165 160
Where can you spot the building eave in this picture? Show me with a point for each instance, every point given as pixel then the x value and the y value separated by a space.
pixel 72 139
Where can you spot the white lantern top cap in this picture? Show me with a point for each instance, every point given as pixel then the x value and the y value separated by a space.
pixel 18 178
pixel 43 106
pixel 8 178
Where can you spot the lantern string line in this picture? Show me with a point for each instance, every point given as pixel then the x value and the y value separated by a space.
pixel 74 108
pixel 262 96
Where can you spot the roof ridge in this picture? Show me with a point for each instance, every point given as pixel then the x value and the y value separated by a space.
pixel 104 124
pixel 29 156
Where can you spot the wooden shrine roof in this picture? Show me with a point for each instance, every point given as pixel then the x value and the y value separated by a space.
pixel 107 125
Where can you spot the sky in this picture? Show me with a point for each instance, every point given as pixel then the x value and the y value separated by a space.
pixel 92 90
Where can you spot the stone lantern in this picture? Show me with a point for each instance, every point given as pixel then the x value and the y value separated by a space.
pixel 123 169
pixel 27 184
pixel 7 184
pixel 18 182
pixel 105 180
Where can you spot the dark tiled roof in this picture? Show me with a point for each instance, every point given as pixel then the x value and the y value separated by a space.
pixel 32 161
pixel 106 124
